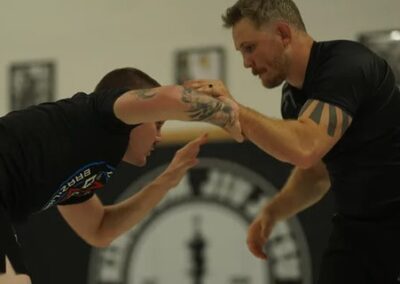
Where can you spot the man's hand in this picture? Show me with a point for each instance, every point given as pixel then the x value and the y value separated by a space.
pixel 184 159
pixel 218 90
pixel 258 234
pixel 220 111
pixel 233 127
pixel 215 88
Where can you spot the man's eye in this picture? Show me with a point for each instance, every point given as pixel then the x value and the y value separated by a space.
pixel 248 48
pixel 159 124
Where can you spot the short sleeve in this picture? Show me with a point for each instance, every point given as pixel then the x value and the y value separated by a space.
pixel 77 199
pixel 342 81
pixel 103 106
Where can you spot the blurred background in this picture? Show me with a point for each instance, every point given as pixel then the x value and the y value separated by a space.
pixel 51 49
pixel 86 39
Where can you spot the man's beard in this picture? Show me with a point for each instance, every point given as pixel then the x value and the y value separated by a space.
pixel 274 82
pixel 280 67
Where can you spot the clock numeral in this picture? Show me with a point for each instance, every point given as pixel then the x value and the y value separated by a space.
pixel 197 246
pixel 253 197
pixel 197 178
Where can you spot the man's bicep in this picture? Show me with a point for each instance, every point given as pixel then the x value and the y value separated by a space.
pixel 331 121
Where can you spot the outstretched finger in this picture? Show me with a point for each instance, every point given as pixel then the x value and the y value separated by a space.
pixel 196 143
pixel 202 139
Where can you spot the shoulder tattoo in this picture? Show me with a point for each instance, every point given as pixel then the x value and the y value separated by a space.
pixel 332 117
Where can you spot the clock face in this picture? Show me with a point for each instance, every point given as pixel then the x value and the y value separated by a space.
pixel 198 232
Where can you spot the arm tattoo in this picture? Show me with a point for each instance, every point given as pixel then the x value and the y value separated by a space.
pixel 317 112
pixel 332 123
pixel 144 94
pixel 332 120
pixel 305 106
pixel 204 108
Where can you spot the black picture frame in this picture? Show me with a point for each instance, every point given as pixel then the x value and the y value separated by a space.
pixel 200 63
pixel 31 83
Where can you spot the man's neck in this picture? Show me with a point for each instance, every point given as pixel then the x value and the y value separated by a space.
pixel 300 57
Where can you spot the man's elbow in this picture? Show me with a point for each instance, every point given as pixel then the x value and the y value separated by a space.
pixel 306 159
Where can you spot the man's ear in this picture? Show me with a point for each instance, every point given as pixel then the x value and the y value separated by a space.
pixel 285 32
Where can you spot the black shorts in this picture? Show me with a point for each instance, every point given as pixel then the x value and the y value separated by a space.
pixel 362 252
pixel 9 245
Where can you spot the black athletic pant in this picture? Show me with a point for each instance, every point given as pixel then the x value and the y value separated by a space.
pixel 361 252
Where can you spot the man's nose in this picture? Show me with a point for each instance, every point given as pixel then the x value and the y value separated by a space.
pixel 247 63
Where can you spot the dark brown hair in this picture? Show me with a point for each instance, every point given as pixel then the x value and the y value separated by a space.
pixel 264 11
pixel 128 77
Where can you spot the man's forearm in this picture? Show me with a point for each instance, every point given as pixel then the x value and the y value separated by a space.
pixel 302 189
pixel 121 217
pixel 282 139
pixel 173 103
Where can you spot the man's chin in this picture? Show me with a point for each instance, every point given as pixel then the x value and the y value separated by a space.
pixel 271 84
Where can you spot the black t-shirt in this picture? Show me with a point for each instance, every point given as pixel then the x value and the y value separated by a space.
pixel 364 165
pixel 59 152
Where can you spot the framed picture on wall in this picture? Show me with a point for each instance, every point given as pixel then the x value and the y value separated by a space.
pixel 31 83
pixel 385 43
pixel 200 63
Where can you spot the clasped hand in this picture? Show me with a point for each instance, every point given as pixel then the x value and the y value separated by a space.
pixel 218 90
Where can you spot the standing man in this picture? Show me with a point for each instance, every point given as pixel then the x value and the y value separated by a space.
pixel 60 153
pixel 340 130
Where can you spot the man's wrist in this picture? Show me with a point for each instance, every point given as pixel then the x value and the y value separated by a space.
pixel 168 179
pixel 269 214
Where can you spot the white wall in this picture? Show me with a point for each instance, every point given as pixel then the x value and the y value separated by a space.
pixel 88 38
